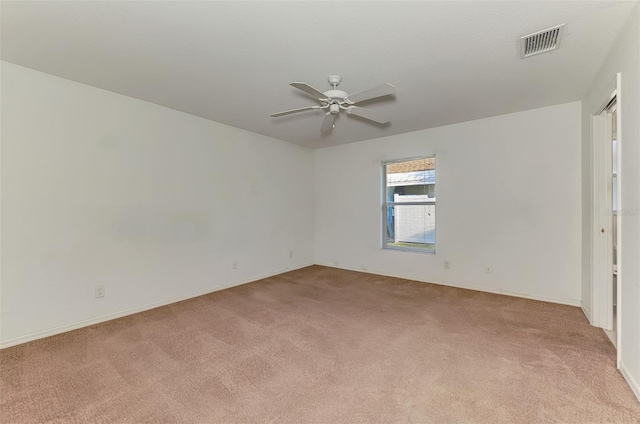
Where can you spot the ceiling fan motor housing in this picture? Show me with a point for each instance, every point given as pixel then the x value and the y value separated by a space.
pixel 338 95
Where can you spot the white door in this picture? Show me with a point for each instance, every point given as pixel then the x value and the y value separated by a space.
pixel 602 259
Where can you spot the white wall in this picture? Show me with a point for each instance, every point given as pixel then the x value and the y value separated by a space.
pixel 99 188
pixel 508 191
pixel 624 58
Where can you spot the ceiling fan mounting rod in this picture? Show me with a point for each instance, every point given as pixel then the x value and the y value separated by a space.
pixel 334 80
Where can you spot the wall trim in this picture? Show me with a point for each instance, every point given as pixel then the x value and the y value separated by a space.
pixel 85 323
pixel 635 387
pixel 91 321
pixel 584 311
pixel 569 302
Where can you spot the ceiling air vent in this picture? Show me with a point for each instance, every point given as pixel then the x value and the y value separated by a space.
pixel 541 41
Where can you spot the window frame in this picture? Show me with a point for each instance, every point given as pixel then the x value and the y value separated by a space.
pixel 386 204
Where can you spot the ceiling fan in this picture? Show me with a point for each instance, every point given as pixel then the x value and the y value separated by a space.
pixel 336 100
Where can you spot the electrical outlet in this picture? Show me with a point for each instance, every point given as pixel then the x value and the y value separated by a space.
pixel 447 265
pixel 99 291
pixel 488 269
pixel 235 265
pixel 291 253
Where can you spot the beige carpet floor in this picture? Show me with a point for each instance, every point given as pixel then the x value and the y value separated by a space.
pixel 321 345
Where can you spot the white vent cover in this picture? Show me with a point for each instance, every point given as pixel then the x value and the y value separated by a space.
pixel 541 41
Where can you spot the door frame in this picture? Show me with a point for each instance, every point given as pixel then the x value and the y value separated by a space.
pixel 602 264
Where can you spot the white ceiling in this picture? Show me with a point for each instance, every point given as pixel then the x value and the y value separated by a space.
pixel 232 61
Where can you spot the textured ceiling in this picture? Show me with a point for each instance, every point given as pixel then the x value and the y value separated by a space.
pixel 232 61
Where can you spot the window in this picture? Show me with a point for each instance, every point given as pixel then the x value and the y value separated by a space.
pixel 409 205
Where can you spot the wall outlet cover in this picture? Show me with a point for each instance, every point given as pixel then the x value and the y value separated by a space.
pixel 99 291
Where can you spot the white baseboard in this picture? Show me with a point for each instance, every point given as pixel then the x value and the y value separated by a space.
pixel 85 323
pixel 584 311
pixel 635 387
pixel 569 302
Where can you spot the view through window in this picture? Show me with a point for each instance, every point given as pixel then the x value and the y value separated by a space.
pixel 409 209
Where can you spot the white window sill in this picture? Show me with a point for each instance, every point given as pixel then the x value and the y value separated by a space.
pixel 409 249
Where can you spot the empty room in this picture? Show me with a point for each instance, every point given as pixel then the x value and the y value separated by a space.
pixel 320 212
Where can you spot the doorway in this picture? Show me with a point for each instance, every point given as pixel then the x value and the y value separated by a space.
pixel 606 223
pixel 612 197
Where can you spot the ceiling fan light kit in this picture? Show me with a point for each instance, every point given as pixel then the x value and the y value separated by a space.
pixel 335 100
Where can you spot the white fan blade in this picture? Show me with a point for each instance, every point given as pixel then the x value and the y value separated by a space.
pixel 369 114
pixel 309 90
pixel 327 122
pixel 372 93
pixel 286 112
